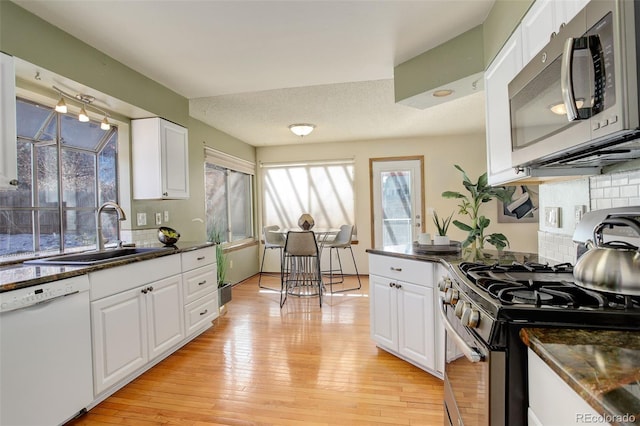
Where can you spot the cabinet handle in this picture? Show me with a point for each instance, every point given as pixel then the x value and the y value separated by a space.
pixel 166 194
pixel 398 285
pixel 396 269
pixel 392 284
pixel 13 182
pixel 201 258
pixel 144 291
pixel 202 282
pixel 150 288
pixel 205 312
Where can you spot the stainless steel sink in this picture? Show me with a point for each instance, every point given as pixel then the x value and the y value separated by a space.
pixel 97 257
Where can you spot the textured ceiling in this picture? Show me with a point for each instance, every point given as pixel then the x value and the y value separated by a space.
pixel 251 68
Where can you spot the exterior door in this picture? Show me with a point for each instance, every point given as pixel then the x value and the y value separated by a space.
pixel 397 204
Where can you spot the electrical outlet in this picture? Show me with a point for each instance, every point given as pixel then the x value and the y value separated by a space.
pixel 552 217
pixel 231 264
pixel 166 215
pixel 579 211
pixel 158 218
pixel 141 219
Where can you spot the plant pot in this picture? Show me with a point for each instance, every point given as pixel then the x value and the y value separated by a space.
pixel 441 240
pixel 224 294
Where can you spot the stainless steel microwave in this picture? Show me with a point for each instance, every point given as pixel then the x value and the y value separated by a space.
pixel 575 104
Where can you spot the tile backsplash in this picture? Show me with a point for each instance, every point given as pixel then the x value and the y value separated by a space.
pixel 597 192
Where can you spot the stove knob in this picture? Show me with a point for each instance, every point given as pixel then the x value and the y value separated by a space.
pixel 444 284
pixel 451 296
pixel 470 317
pixel 460 308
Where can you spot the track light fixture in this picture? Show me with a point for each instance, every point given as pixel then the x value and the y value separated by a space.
pixel 87 102
pixel 61 106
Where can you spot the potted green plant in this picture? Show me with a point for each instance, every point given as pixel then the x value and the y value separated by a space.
pixel 480 193
pixel 442 225
pixel 222 264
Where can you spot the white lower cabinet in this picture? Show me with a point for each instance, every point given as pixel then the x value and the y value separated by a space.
pixel 200 289
pixel 134 327
pixel 552 402
pixel 402 309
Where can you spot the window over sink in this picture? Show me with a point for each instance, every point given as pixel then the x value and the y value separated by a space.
pixel 66 169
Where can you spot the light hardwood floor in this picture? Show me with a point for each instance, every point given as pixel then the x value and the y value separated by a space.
pixel 262 365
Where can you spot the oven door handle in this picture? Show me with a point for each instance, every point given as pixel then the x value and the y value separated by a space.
pixel 470 353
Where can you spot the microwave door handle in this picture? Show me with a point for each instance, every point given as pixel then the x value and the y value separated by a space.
pixel 566 81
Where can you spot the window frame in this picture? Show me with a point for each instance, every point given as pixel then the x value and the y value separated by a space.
pixel 229 163
pixel 35 209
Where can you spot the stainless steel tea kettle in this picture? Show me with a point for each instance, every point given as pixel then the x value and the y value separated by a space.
pixel 613 266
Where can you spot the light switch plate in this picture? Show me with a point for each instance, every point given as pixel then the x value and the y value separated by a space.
pixel 141 219
pixel 552 217
pixel 166 216
pixel 158 218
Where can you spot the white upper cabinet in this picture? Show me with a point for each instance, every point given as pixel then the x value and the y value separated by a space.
pixel 160 151
pixel 545 20
pixel 8 153
pixel 498 123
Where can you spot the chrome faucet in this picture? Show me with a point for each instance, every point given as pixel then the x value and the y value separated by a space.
pixel 119 212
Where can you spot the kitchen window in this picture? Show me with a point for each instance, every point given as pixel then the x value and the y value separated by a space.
pixel 229 197
pixel 66 169
pixel 324 189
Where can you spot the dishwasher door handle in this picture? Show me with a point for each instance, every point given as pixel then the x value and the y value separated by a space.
pixel 470 353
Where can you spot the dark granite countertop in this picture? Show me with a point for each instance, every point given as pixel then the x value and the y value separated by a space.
pixel 602 366
pixel 19 275
pixel 452 257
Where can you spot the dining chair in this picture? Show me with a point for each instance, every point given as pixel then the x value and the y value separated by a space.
pixel 272 240
pixel 341 241
pixel 300 271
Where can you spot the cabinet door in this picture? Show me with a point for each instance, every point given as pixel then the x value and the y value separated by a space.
pixel 165 317
pixel 119 337
pixel 175 160
pixel 8 147
pixel 383 311
pixel 415 323
pixel 537 27
pixel 497 77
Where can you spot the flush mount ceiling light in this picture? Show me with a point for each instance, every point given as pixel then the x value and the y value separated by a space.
pixel 560 109
pixel 87 102
pixel 302 129
pixel 442 93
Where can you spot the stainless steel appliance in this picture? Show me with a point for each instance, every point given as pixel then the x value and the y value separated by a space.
pixel 575 104
pixel 484 306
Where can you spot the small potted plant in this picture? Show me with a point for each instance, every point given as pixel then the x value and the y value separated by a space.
pixel 442 225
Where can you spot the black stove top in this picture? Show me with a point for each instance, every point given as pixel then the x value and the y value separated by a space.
pixel 532 293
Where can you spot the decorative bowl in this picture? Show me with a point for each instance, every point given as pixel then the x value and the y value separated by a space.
pixel 168 236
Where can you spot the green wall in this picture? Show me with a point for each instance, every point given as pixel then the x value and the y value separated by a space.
pixel 462 56
pixel 504 17
pixel 34 40
pixel 453 60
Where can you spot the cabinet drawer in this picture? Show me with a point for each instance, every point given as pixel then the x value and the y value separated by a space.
pixel 200 312
pixel 197 258
pixel 414 271
pixel 199 282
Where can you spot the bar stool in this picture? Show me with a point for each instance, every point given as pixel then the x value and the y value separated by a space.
pixel 341 241
pixel 272 240
pixel 300 273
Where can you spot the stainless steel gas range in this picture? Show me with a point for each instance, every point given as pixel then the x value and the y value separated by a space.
pixel 484 306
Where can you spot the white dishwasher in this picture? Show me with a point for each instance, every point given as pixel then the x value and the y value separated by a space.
pixel 46 373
